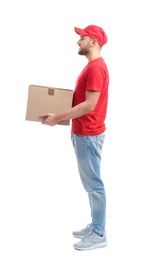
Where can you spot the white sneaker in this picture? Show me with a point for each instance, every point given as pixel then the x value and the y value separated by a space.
pixel 84 232
pixel 91 241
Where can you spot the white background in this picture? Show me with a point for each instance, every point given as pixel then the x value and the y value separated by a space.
pixel 41 197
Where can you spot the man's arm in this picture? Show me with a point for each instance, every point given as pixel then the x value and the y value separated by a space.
pixel 79 110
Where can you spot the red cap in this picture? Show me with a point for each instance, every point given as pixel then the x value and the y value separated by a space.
pixel 94 32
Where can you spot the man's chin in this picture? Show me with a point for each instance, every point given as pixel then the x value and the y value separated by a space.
pixel 80 52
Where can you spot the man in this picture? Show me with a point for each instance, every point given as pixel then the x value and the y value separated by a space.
pixel 88 115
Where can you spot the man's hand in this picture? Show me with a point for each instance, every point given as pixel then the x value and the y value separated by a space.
pixel 49 119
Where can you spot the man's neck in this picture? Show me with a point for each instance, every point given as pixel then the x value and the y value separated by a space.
pixel 94 56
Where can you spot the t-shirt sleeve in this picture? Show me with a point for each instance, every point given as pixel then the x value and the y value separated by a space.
pixel 94 79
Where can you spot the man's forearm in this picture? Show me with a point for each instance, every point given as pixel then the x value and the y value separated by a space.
pixel 77 111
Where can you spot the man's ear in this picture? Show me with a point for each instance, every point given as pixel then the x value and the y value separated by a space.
pixel 93 43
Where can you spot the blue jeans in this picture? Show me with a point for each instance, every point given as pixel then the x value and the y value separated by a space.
pixel 88 154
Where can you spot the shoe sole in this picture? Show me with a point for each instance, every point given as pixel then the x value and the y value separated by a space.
pixel 103 244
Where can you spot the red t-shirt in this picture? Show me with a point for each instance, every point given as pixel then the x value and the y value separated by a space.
pixel 93 77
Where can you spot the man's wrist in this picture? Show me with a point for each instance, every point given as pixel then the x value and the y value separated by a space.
pixel 61 117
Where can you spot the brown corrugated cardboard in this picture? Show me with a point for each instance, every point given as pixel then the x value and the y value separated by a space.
pixel 43 99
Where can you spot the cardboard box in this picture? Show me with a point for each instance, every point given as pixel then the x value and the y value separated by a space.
pixel 43 99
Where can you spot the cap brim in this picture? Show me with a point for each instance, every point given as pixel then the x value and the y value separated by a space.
pixel 79 31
